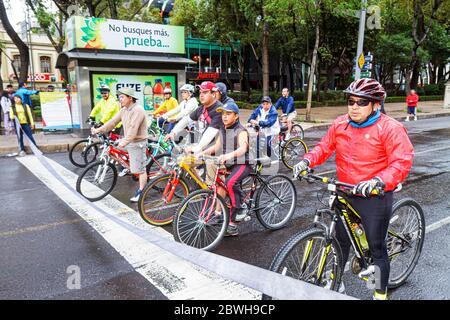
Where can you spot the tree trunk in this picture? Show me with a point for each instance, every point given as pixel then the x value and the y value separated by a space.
pixel 440 73
pixel 311 74
pixel 265 59
pixel 23 48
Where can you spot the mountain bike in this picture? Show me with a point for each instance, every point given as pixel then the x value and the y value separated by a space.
pixel 99 178
pixel 197 224
pixel 314 254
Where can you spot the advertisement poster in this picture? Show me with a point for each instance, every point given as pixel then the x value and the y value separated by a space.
pixel 55 110
pixel 149 88
pixel 102 33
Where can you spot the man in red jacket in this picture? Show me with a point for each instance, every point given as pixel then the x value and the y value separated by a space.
pixel 411 102
pixel 372 150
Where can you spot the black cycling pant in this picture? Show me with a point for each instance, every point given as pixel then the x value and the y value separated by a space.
pixel 375 215
pixel 233 183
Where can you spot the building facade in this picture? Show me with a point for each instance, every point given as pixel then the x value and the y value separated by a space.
pixel 42 71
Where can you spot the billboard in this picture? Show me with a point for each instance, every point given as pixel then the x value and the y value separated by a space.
pixel 56 111
pixel 102 33
pixel 149 87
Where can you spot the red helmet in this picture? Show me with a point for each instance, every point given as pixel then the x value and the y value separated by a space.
pixel 366 88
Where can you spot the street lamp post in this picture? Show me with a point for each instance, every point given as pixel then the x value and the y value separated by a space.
pixel 359 49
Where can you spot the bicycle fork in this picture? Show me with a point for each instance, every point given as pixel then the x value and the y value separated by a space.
pixel 325 250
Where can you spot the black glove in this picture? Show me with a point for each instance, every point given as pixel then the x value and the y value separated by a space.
pixel 300 167
pixel 365 188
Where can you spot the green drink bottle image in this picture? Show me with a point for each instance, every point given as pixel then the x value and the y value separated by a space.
pixel 148 96
pixel 158 94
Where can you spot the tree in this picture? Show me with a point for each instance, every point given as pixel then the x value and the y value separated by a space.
pixel 21 46
pixel 423 17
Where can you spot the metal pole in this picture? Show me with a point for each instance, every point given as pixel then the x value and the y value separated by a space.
pixel 359 50
pixel 33 85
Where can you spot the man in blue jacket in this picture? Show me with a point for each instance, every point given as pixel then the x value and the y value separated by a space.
pixel 25 94
pixel 266 117
pixel 286 102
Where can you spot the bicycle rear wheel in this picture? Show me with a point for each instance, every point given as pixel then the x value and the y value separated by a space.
pixel 276 201
pixel 406 233
pixel 297 131
pixel 156 206
pixel 77 151
pixel 293 151
pixel 196 223
pixel 308 256
pixel 97 180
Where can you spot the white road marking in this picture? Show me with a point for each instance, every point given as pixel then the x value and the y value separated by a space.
pixel 431 150
pixel 437 225
pixel 173 276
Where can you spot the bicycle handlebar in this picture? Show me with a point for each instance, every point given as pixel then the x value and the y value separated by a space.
pixel 345 187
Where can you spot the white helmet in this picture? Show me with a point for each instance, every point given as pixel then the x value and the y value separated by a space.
pixel 188 87
pixel 167 90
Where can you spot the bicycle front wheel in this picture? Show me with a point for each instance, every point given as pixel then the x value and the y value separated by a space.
pixel 293 152
pixel 406 233
pixel 97 180
pixel 196 223
pixel 77 151
pixel 276 201
pixel 158 202
pixel 310 257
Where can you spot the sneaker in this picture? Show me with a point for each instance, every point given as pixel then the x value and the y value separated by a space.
pixel 240 214
pixel 124 172
pixel 232 230
pixel 137 194
pixel 365 274
pixel 415 118
pixel 407 119
pixel 22 153
pixel 380 296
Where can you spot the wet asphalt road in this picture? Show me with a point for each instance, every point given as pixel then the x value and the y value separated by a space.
pixel 41 236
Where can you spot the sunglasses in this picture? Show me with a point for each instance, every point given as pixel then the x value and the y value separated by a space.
pixel 359 102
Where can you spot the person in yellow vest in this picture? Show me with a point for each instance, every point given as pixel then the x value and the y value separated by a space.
pixel 169 103
pixel 25 117
pixel 106 108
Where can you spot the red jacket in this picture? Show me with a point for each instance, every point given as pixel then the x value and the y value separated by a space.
pixel 412 100
pixel 381 150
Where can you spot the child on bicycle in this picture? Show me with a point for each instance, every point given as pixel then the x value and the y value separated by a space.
pixel 266 117
pixel 372 150
pixel 232 146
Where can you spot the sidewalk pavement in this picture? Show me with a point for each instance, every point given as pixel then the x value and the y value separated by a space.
pixel 321 118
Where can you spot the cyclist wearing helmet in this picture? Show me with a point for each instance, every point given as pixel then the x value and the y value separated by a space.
pixel 221 93
pixel 372 150
pixel 186 106
pixel 106 108
pixel 169 104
